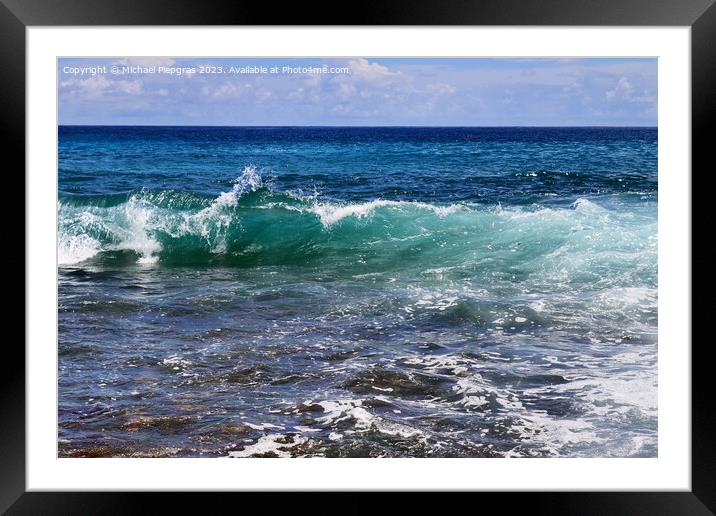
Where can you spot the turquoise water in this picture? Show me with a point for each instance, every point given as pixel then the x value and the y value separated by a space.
pixel 357 291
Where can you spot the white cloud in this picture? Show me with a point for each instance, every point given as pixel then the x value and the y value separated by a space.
pixel 225 91
pixel 94 85
pixel 146 61
pixel 129 87
pixel 297 94
pixel 441 88
pixel 622 91
pixel 364 69
pixel 625 91
pixel 346 91
pixel 99 86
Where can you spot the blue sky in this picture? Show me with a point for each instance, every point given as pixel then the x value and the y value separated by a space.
pixel 360 91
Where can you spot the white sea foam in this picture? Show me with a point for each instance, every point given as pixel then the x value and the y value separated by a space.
pixel 179 364
pixel 132 225
pixel 72 249
pixel 269 444
pixel 331 213
pixel 262 426
pixel 213 221
pixel 363 420
pixel 135 236
pixel 587 206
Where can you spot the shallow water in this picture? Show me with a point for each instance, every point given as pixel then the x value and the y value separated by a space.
pixel 357 292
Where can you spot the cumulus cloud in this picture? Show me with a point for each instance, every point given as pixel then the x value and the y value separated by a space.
pixel 226 91
pixel 98 86
pixel 365 70
pixel 441 88
pixel 129 87
pixel 625 91
pixel 146 61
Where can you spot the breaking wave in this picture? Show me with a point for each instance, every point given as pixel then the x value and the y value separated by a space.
pixel 253 225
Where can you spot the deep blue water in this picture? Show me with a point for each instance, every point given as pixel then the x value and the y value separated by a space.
pixel 357 291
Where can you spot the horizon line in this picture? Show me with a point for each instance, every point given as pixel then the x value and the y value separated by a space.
pixel 377 126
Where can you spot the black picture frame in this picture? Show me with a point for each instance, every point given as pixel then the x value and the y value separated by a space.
pixel 700 15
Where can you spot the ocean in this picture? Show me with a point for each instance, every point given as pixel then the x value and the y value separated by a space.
pixel 357 292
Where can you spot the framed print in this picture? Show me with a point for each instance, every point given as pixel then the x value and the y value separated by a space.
pixel 423 249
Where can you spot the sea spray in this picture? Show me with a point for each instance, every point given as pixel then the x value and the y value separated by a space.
pixel 251 224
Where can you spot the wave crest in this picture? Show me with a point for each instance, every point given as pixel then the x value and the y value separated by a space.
pixel 253 225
